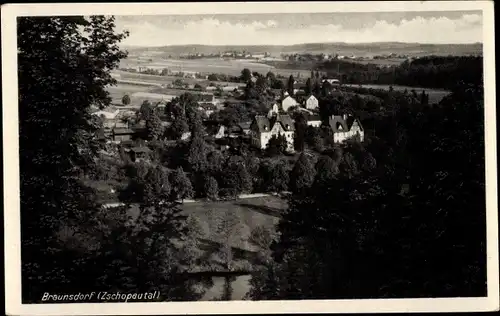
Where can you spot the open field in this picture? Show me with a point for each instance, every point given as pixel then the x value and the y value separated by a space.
pixel 347 49
pixel 207 66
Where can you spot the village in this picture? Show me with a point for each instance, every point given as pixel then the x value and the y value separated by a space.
pixel 123 124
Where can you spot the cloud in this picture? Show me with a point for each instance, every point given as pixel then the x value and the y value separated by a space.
pixel 213 31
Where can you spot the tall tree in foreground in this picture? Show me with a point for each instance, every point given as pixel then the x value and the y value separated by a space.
pixel 155 249
pixel 62 73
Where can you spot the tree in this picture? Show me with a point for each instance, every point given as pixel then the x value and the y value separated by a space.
pixel 62 71
pixel 235 177
pixel 318 143
pixel 302 174
pixel 154 127
pixel 291 85
pixel 270 77
pixel 300 131
pixel 309 87
pixel 251 92
pixel 215 162
pixel 126 99
pixel 246 75
pixel 145 252
pixel 179 127
pixel 261 85
pixel 181 186
pixel 146 110
pixel 316 88
pixel 211 188
pixel 197 156
pixel 195 123
pixel 277 145
pixel 280 177
pixel 326 169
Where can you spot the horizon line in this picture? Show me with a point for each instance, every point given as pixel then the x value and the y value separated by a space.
pixel 290 45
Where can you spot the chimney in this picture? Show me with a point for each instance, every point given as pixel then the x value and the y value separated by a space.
pixel 344 116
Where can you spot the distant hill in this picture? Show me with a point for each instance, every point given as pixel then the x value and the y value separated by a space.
pixel 364 49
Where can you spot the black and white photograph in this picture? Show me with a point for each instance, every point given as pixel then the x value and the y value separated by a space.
pixel 269 157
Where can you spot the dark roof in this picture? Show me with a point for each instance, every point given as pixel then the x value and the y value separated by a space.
pixel 127 143
pixel 140 149
pixel 350 120
pixel 235 129
pixel 205 97
pixel 123 130
pixel 313 118
pixel 263 122
pixel 337 123
pixel 207 105
pixel 245 125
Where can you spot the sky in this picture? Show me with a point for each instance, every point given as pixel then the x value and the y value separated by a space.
pixel 444 27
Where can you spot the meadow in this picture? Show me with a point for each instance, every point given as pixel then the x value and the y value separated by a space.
pixel 231 67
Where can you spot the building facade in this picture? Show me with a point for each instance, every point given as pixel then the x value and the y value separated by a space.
pixel 288 102
pixel 345 127
pixel 264 128
pixel 312 103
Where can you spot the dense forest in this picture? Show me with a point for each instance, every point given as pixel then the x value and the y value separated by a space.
pixel 428 72
pixel 400 215
pixel 386 218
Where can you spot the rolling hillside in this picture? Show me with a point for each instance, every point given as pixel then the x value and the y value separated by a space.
pixel 412 49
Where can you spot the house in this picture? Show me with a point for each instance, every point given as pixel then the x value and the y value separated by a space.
pixel 186 136
pixel 314 120
pixel 207 108
pixel 107 114
pixel 287 103
pixel 109 117
pixel 274 110
pixel 345 127
pixel 245 127
pixel 230 88
pixel 311 103
pixel 220 132
pixel 263 128
pixel 139 153
pixel 332 81
pixel 234 131
pixel 298 91
pixel 206 98
pixel 120 134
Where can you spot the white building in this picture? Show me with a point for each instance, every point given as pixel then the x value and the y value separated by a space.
pixel 345 127
pixel 314 121
pixel 273 111
pixel 229 88
pixel 263 129
pixel 110 114
pixel 287 103
pixel 332 81
pixel 312 103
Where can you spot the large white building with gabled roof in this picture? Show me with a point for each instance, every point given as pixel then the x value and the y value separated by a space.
pixel 263 128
